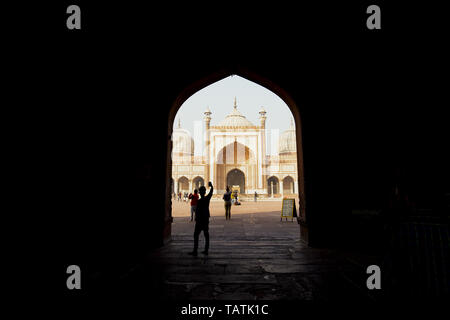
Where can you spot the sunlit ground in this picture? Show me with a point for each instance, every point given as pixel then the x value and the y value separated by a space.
pixel 249 221
pixel 216 208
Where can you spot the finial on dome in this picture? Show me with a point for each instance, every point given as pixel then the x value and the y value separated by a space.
pixel 235 103
pixel 292 123
pixel 262 111
pixel 207 112
pixel 179 123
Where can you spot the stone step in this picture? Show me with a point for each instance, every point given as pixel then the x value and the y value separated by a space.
pixel 231 278
pixel 251 243
pixel 248 269
pixel 228 255
pixel 253 262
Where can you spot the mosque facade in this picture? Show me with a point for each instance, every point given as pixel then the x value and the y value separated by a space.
pixel 235 155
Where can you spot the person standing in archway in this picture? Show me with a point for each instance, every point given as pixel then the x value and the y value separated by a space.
pixel 194 199
pixel 256 195
pixel 227 202
pixel 202 218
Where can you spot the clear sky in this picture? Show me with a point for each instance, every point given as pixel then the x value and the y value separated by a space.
pixel 219 97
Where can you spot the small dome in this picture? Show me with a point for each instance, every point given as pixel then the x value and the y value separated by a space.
pixel 235 119
pixel 287 141
pixel 182 141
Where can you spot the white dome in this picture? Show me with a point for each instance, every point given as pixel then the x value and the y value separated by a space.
pixel 287 141
pixel 182 141
pixel 235 119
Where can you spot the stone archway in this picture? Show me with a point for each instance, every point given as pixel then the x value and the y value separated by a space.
pixel 236 177
pixel 273 184
pixel 183 184
pixel 231 157
pixel 197 182
pixel 216 176
pixel 288 185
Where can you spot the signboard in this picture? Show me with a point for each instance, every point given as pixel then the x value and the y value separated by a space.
pixel 288 209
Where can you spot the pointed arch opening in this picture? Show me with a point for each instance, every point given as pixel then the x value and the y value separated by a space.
pixel 288 186
pixel 236 180
pixel 183 184
pixel 273 186
pixel 198 182
pixel 289 160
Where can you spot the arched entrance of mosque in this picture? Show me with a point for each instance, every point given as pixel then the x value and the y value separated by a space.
pixel 288 186
pixel 197 182
pixel 235 165
pixel 235 178
pixel 218 173
pixel 183 184
pixel 273 186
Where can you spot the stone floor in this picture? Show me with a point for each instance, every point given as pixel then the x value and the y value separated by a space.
pixel 253 256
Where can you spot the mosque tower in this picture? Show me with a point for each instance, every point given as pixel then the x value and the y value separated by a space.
pixel 207 119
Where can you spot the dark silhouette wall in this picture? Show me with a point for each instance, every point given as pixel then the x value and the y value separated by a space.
pixel 370 108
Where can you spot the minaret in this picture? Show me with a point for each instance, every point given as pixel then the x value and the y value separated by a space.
pixel 262 117
pixel 262 136
pixel 207 119
pixel 179 127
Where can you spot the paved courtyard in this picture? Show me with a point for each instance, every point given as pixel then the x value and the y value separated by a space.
pixel 249 221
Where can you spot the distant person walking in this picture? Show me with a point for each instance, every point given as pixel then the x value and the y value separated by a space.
pixel 256 195
pixel 227 202
pixel 194 199
pixel 202 218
